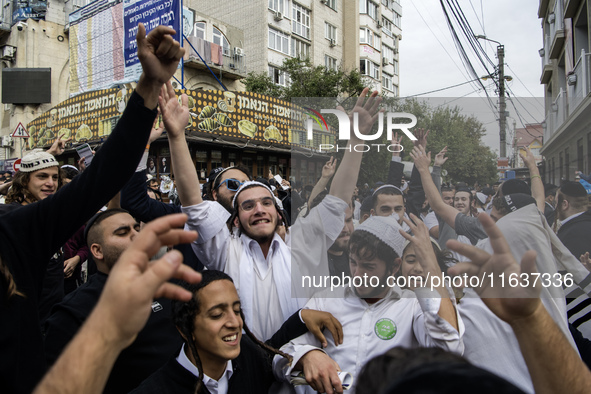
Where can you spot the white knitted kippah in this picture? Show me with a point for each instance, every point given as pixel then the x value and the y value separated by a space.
pixel 247 184
pixel 385 228
pixel 37 160
pixel 481 197
pixel 386 186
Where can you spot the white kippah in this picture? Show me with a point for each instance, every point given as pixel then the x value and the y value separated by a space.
pixel 37 160
pixel 481 197
pixel 385 228
pixel 386 186
pixel 247 184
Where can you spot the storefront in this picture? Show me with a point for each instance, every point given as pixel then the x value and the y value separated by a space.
pixel 225 129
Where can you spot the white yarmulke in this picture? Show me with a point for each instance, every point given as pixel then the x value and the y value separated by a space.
pixel 481 197
pixel 247 184
pixel 386 186
pixel 38 159
pixel 385 228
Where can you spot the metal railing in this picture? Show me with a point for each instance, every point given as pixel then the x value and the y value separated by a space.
pixel 556 116
pixel 546 58
pixel 558 23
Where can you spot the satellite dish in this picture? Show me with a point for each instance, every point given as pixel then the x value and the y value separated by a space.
pixel 444 172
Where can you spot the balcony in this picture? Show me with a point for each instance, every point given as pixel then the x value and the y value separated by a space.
pixel 571 7
pixel 579 82
pixel 547 66
pixel 233 61
pixel 556 116
pixel 543 8
pixel 557 34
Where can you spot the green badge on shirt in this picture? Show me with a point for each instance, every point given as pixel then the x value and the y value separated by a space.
pixel 385 329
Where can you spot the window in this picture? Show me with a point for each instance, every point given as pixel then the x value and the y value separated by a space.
pixel 397 19
pixel 369 68
pixel 332 4
pixel 276 5
pixel 367 36
pixel 330 31
pixel 588 153
pixel 387 26
pixel 330 63
pixel 387 81
pixel 299 48
pixel 277 76
pixel 200 30
pixel 580 155
pixel 368 7
pixel 395 90
pixel 278 41
pixel 301 21
pixel 567 164
pixel 395 67
pixel 388 53
pixel 220 39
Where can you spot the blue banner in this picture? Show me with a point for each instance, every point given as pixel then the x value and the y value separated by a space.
pixel 586 185
pixel 151 13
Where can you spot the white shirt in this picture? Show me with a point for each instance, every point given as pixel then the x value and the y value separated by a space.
pixel 399 319
pixel 214 386
pixel 430 220
pixel 269 288
pixel 562 222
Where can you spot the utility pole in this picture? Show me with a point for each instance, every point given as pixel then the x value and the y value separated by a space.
pixel 502 105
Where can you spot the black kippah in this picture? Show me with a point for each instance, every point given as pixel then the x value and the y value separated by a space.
pixel 573 189
pixel 513 186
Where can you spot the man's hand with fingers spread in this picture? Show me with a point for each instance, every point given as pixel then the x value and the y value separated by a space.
pixel 510 302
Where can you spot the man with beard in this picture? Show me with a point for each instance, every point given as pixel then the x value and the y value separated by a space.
pixel 376 314
pixel 108 235
pixel 571 209
pixel 338 256
pixel 256 257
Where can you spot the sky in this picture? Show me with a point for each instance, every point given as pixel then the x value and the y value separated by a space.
pixel 429 60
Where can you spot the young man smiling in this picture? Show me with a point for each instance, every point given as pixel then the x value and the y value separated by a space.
pixel 259 261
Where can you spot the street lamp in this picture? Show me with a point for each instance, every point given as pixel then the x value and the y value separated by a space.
pixel 502 106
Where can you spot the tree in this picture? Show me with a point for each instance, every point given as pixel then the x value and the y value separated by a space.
pixel 307 80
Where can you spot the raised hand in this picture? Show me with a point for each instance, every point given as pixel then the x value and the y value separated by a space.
pixel 59 146
pixel 329 168
pixel 440 158
pixel 157 128
pixel 509 300
pixel 174 115
pixel 421 135
pixel 421 159
pixel 528 159
pixel 396 141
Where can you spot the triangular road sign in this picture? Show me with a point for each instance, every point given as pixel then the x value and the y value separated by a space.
pixel 20 131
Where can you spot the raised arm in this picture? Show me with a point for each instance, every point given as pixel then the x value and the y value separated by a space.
pixel 422 161
pixel 327 173
pixel 346 176
pixel 537 186
pixel 175 117
pixel 554 367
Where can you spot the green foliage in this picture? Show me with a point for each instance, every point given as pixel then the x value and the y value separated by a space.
pixel 307 80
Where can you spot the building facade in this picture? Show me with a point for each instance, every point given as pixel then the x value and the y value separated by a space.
pixel 566 74
pixel 352 34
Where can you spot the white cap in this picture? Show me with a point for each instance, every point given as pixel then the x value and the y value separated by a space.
pixel 37 160
pixel 247 184
pixel 385 228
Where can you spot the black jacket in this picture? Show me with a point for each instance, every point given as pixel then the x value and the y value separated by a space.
pixel 30 235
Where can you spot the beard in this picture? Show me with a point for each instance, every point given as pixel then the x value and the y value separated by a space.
pixel 226 203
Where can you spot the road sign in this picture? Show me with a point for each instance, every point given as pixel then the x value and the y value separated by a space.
pixel 16 165
pixel 20 131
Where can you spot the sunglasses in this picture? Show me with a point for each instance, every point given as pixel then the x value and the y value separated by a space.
pixel 232 184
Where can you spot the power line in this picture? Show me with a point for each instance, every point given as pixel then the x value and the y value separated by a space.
pixel 448 87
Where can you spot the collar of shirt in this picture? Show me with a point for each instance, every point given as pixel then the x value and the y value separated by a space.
pixel 563 222
pixel 262 263
pixel 214 386
pixel 394 292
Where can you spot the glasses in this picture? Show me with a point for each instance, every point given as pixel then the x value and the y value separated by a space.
pixel 231 183
pixel 249 205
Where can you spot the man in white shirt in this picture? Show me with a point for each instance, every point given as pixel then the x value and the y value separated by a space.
pixel 258 260
pixel 378 316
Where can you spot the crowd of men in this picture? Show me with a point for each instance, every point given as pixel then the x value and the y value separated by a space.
pixel 266 314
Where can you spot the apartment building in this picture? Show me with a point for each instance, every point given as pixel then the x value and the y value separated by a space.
pixel 566 74
pixel 353 34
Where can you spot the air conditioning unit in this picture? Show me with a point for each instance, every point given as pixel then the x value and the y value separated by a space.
pixel 395 51
pixel 278 15
pixel 8 52
pixel 333 42
pixel 7 141
pixel 385 61
pixel 324 1
pixel 238 51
